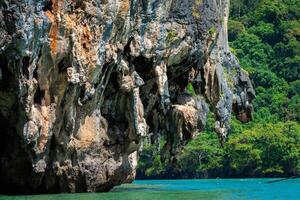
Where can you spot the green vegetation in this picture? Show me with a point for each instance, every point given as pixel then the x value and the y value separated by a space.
pixel 267 44
pixel 196 13
pixel 252 150
pixel 236 28
pixel 190 89
pixel 171 36
pixel 212 31
pixel 265 36
pixel 195 9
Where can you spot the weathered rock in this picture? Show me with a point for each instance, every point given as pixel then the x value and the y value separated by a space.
pixel 83 82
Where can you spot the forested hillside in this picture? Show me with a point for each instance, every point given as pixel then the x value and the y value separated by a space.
pixel 265 36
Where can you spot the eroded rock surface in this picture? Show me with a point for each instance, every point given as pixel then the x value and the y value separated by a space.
pixel 82 82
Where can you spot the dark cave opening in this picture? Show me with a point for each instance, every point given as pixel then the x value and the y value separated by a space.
pixel 200 84
pixel 179 84
pixel 6 75
pixel 38 96
pixel 14 172
pixel 25 66
pixel 15 165
pixel 48 6
pixel 62 65
pixel 114 84
pixel 112 94
pixel 144 67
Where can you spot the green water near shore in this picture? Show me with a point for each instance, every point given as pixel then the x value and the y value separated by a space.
pixel 187 190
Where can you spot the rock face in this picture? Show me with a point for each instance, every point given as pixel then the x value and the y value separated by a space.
pixel 82 82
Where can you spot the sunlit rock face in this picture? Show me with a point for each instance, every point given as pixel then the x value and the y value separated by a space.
pixel 82 82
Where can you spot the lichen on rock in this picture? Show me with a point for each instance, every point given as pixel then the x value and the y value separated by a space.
pixel 84 82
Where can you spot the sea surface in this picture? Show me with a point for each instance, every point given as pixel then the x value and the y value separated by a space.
pixel 187 190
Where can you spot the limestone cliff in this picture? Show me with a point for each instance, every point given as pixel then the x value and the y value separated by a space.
pixel 82 82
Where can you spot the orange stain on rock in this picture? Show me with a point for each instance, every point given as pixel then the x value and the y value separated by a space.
pixel 70 23
pixel 87 36
pixel 124 8
pixel 54 16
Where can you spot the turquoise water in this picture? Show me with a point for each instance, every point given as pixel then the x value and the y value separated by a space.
pixel 187 190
